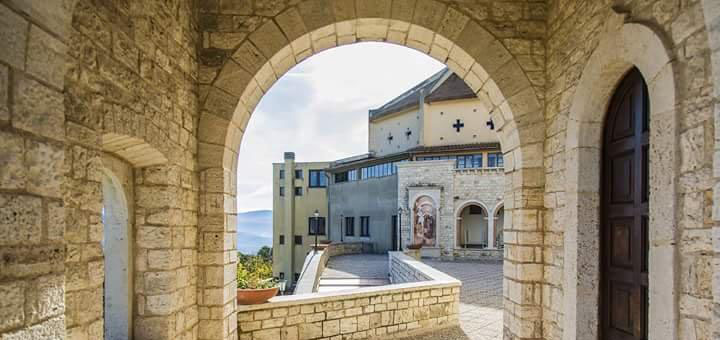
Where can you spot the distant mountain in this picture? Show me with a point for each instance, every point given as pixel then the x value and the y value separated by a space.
pixel 254 230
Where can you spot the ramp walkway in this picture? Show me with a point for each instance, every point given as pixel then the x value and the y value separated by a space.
pixel 346 272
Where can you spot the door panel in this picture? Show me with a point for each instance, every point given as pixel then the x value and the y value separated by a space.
pixel 624 213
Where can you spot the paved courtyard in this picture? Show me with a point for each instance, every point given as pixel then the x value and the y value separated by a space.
pixel 481 315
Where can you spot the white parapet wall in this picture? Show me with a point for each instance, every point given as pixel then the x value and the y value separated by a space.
pixel 427 300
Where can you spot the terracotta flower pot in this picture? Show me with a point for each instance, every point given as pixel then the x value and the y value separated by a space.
pixel 255 296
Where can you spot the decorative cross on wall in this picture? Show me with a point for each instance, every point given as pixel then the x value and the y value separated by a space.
pixel 458 125
pixel 390 137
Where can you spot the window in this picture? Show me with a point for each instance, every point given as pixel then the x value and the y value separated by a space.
pixel 318 179
pixel 495 160
pixel 352 175
pixel 298 191
pixel 349 226
pixel 365 226
pixel 282 174
pixel 282 191
pixel 298 239
pixel 476 210
pixel 320 226
pixel 341 177
pixel 281 239
pixel 298 174
pixel 468 161
pixel 282 276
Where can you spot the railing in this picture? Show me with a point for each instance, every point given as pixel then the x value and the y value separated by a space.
pixel 423 300
pixel 315 263
pixel 500 170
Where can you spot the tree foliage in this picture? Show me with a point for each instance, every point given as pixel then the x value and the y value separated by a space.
pixel 255 271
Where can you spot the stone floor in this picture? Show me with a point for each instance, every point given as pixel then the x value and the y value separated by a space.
pixel 481 314
pixel 354 271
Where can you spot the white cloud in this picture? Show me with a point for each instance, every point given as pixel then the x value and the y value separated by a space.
pixel 319 110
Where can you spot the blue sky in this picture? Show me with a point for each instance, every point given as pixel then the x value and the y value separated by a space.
pixel 319 110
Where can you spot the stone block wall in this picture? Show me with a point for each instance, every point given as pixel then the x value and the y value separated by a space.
pixel 404 269
pixel 378 312
pixel 33 36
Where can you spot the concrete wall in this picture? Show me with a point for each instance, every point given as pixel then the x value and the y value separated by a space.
pixel 374 197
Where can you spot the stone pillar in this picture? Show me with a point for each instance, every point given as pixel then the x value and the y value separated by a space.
pixel 491 232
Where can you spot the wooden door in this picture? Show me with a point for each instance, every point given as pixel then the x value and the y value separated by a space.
pixel 624 213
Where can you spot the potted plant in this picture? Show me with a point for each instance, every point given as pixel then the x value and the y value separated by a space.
pixel 413 250
pixel 256 286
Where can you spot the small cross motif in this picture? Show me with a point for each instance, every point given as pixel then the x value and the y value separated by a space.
pixel 458 125
pixel 390 137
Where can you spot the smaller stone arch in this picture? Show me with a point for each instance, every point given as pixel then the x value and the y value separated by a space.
pixel 622 46
pixel 472 231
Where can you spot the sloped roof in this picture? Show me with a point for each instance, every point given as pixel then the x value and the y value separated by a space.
pixel 443 85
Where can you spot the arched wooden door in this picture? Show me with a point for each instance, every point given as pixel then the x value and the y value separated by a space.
pixel 624 225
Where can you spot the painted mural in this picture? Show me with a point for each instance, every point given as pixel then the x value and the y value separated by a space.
pixel 424 221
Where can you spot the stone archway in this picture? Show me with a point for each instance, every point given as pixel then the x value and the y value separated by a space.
pixel 232 86
pixel 470 226
pixel 499 218
pixel 622 46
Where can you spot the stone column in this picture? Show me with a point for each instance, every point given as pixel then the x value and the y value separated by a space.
pixel 491 232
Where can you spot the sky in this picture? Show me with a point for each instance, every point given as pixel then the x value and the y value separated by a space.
pixel 319 110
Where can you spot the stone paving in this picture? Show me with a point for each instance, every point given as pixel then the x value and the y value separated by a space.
pixel 481 301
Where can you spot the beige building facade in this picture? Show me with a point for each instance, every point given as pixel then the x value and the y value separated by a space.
pixel 441 110
pixel 299 190
pixel 169 87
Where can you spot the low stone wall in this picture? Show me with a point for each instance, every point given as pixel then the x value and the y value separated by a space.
pixel 403 269
pixel 391 311
pixel 383 311
pixel 478 254
pixel 336 249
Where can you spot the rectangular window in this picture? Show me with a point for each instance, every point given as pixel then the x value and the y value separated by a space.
pixel 349 226
pixel 495 160
pixel 365 226
pixel 298 191
pixel 318 179
pixel 298 239
pixel 316 225
pixel 341 177
pixel 477 161
pixel 282 191
pixel 282 276
pixel 353 175
pixel 298 174
pixel 281 239
pixel 282 174
pixel 460 163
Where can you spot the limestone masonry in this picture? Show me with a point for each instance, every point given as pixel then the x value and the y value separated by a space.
pixel 152 98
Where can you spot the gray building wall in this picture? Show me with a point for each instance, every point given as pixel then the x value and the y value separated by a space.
pixel 374 197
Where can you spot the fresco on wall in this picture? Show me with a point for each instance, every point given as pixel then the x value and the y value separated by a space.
pixel 424 221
